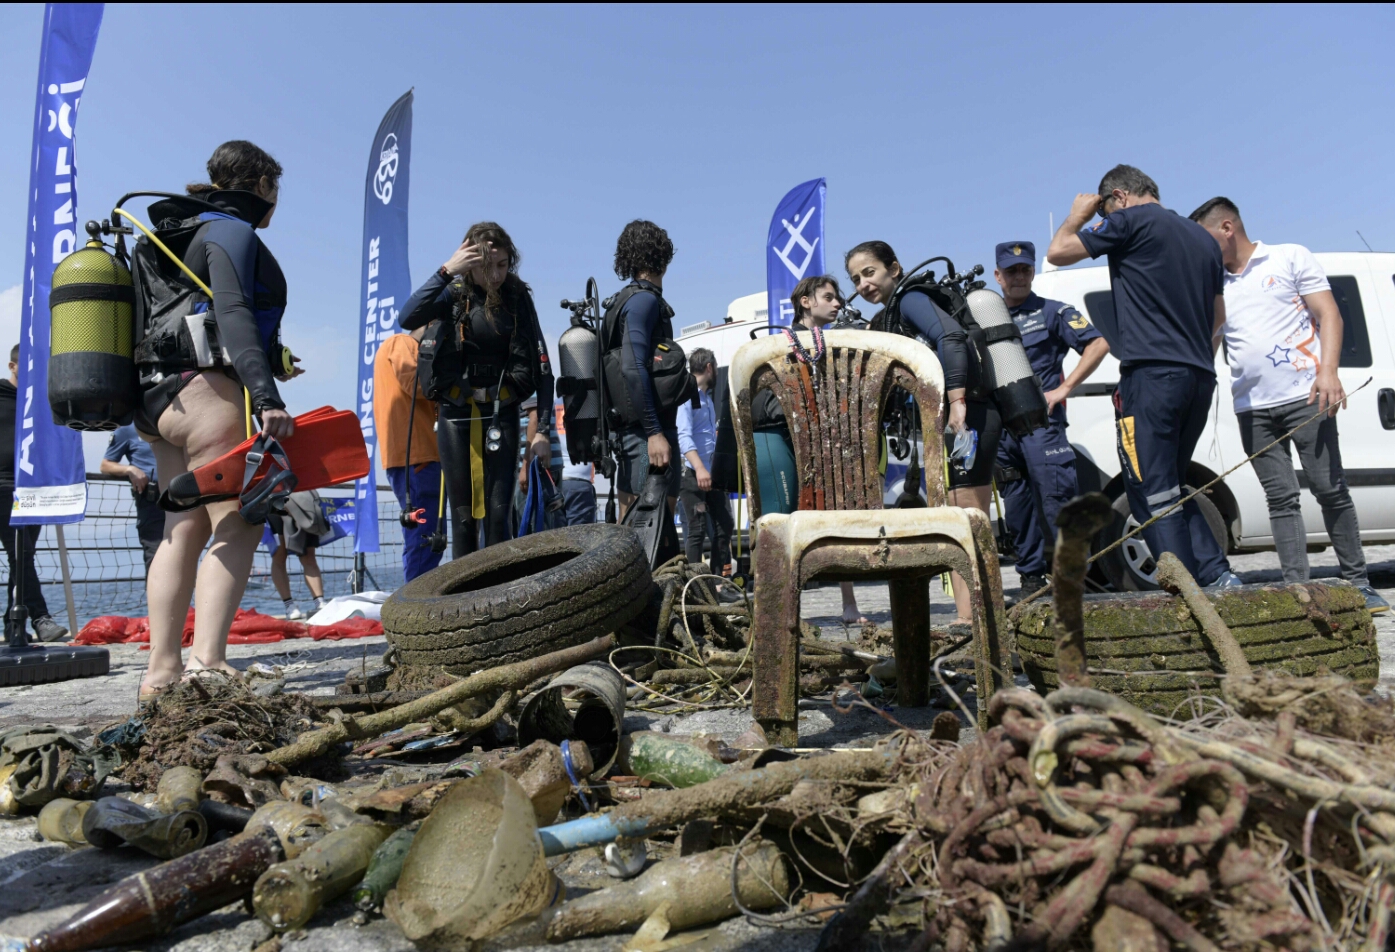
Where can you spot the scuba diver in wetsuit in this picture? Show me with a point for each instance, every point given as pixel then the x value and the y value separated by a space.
pixel 193 414
pixel 482 355
pixel 873 268
pixel 816 300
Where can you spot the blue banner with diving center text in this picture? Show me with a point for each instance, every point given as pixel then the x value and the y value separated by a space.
pixel 50 486
pixel 386 283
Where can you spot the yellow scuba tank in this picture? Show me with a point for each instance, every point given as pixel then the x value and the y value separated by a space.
pixel 92 382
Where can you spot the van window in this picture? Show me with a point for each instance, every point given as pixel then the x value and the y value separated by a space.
pixel 1356 343
pixel 1100 305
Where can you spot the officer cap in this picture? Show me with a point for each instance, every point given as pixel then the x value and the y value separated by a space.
pixel 1010 253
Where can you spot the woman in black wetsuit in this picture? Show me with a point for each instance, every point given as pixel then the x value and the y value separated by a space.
pixel 483 354
pixel 874 270
pixel 192 415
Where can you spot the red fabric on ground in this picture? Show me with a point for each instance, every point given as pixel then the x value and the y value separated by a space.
pixel 249 627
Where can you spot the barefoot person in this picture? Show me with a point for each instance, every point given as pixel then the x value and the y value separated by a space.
pixel 192 416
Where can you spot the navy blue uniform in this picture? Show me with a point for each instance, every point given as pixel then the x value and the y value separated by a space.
pixel 1166 273
pixel 1043 460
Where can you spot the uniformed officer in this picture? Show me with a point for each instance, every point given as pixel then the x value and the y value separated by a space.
pixel 1037 471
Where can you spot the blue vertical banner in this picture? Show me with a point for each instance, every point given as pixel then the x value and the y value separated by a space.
pixel 50 484
pixel 794 246
pixel 386 284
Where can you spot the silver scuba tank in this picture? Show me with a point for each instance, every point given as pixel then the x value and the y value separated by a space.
pixel 1007 372
pixel 576 356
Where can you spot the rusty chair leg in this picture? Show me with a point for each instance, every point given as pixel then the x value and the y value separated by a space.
pixel 910 628
pixel 775 647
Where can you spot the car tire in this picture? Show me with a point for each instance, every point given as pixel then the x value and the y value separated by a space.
pixel 1148 649
pixel 1130 567
pixel 520 599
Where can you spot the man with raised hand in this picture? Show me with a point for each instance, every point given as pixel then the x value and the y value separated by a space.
pixel 1168 283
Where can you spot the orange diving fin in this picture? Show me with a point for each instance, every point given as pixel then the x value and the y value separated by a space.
pixel 326 448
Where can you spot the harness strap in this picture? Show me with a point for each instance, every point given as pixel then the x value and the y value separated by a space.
pixel 275 487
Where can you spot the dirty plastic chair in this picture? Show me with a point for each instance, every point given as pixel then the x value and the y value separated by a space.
pixel 841 532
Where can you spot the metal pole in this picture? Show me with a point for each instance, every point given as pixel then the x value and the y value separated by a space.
pixel 67 581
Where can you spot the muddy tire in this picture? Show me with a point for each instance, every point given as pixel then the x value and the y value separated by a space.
pixel 1131 567
pixel 520 599
pixel 1147 648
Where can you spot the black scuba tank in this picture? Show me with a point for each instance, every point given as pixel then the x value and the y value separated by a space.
pixel 92 381
pixel 1008 374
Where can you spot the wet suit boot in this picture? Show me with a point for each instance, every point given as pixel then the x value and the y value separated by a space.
pixel 652 519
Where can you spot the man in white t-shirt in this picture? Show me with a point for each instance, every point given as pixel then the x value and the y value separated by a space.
pixel 1283 338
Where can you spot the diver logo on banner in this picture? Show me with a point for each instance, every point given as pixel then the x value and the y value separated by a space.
pixel 387 169
pixel 796 237
pixel 793 246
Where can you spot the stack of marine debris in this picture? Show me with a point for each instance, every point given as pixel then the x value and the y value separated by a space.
pixel 1172 793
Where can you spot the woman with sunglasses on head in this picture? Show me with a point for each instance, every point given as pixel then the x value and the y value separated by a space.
pixel 481 356
pixel 970 413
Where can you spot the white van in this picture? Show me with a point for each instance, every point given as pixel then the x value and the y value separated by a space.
pixel 1364 286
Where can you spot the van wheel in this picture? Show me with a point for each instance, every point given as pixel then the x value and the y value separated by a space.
pixel 520 599
pixel 1132 566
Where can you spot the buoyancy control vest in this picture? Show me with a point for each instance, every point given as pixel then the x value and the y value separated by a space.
pixel 998 366
pixel 668 369
pixel 451 364
pixel 175 323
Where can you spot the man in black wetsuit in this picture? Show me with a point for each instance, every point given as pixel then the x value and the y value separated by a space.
pixel 642 255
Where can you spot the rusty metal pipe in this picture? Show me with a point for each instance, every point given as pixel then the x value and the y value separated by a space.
pixel 1076 525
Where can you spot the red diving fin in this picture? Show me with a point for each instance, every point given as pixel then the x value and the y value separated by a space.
pixel 327 448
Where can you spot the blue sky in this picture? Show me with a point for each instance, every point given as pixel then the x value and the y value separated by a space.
pixel 942 130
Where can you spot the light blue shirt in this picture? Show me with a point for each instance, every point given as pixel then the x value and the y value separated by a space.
pixel 697 429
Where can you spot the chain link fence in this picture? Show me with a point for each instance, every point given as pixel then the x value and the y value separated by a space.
pixel 108 571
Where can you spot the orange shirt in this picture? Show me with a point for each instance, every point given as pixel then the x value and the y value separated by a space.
pixel 394 373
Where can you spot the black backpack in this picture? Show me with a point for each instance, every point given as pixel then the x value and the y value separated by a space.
pixel 953 303
pixel 673 382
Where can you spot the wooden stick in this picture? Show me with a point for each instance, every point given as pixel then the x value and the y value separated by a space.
pixel 1173 576
pixel 506 677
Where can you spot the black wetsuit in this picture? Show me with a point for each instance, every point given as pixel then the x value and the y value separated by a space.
pixel 502 353
pixel 645 319
pixel 249 299
pixel 950 343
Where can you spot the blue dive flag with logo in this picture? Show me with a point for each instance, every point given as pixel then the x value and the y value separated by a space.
pixel 794 246
pixel 50 485
pixel 386 284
